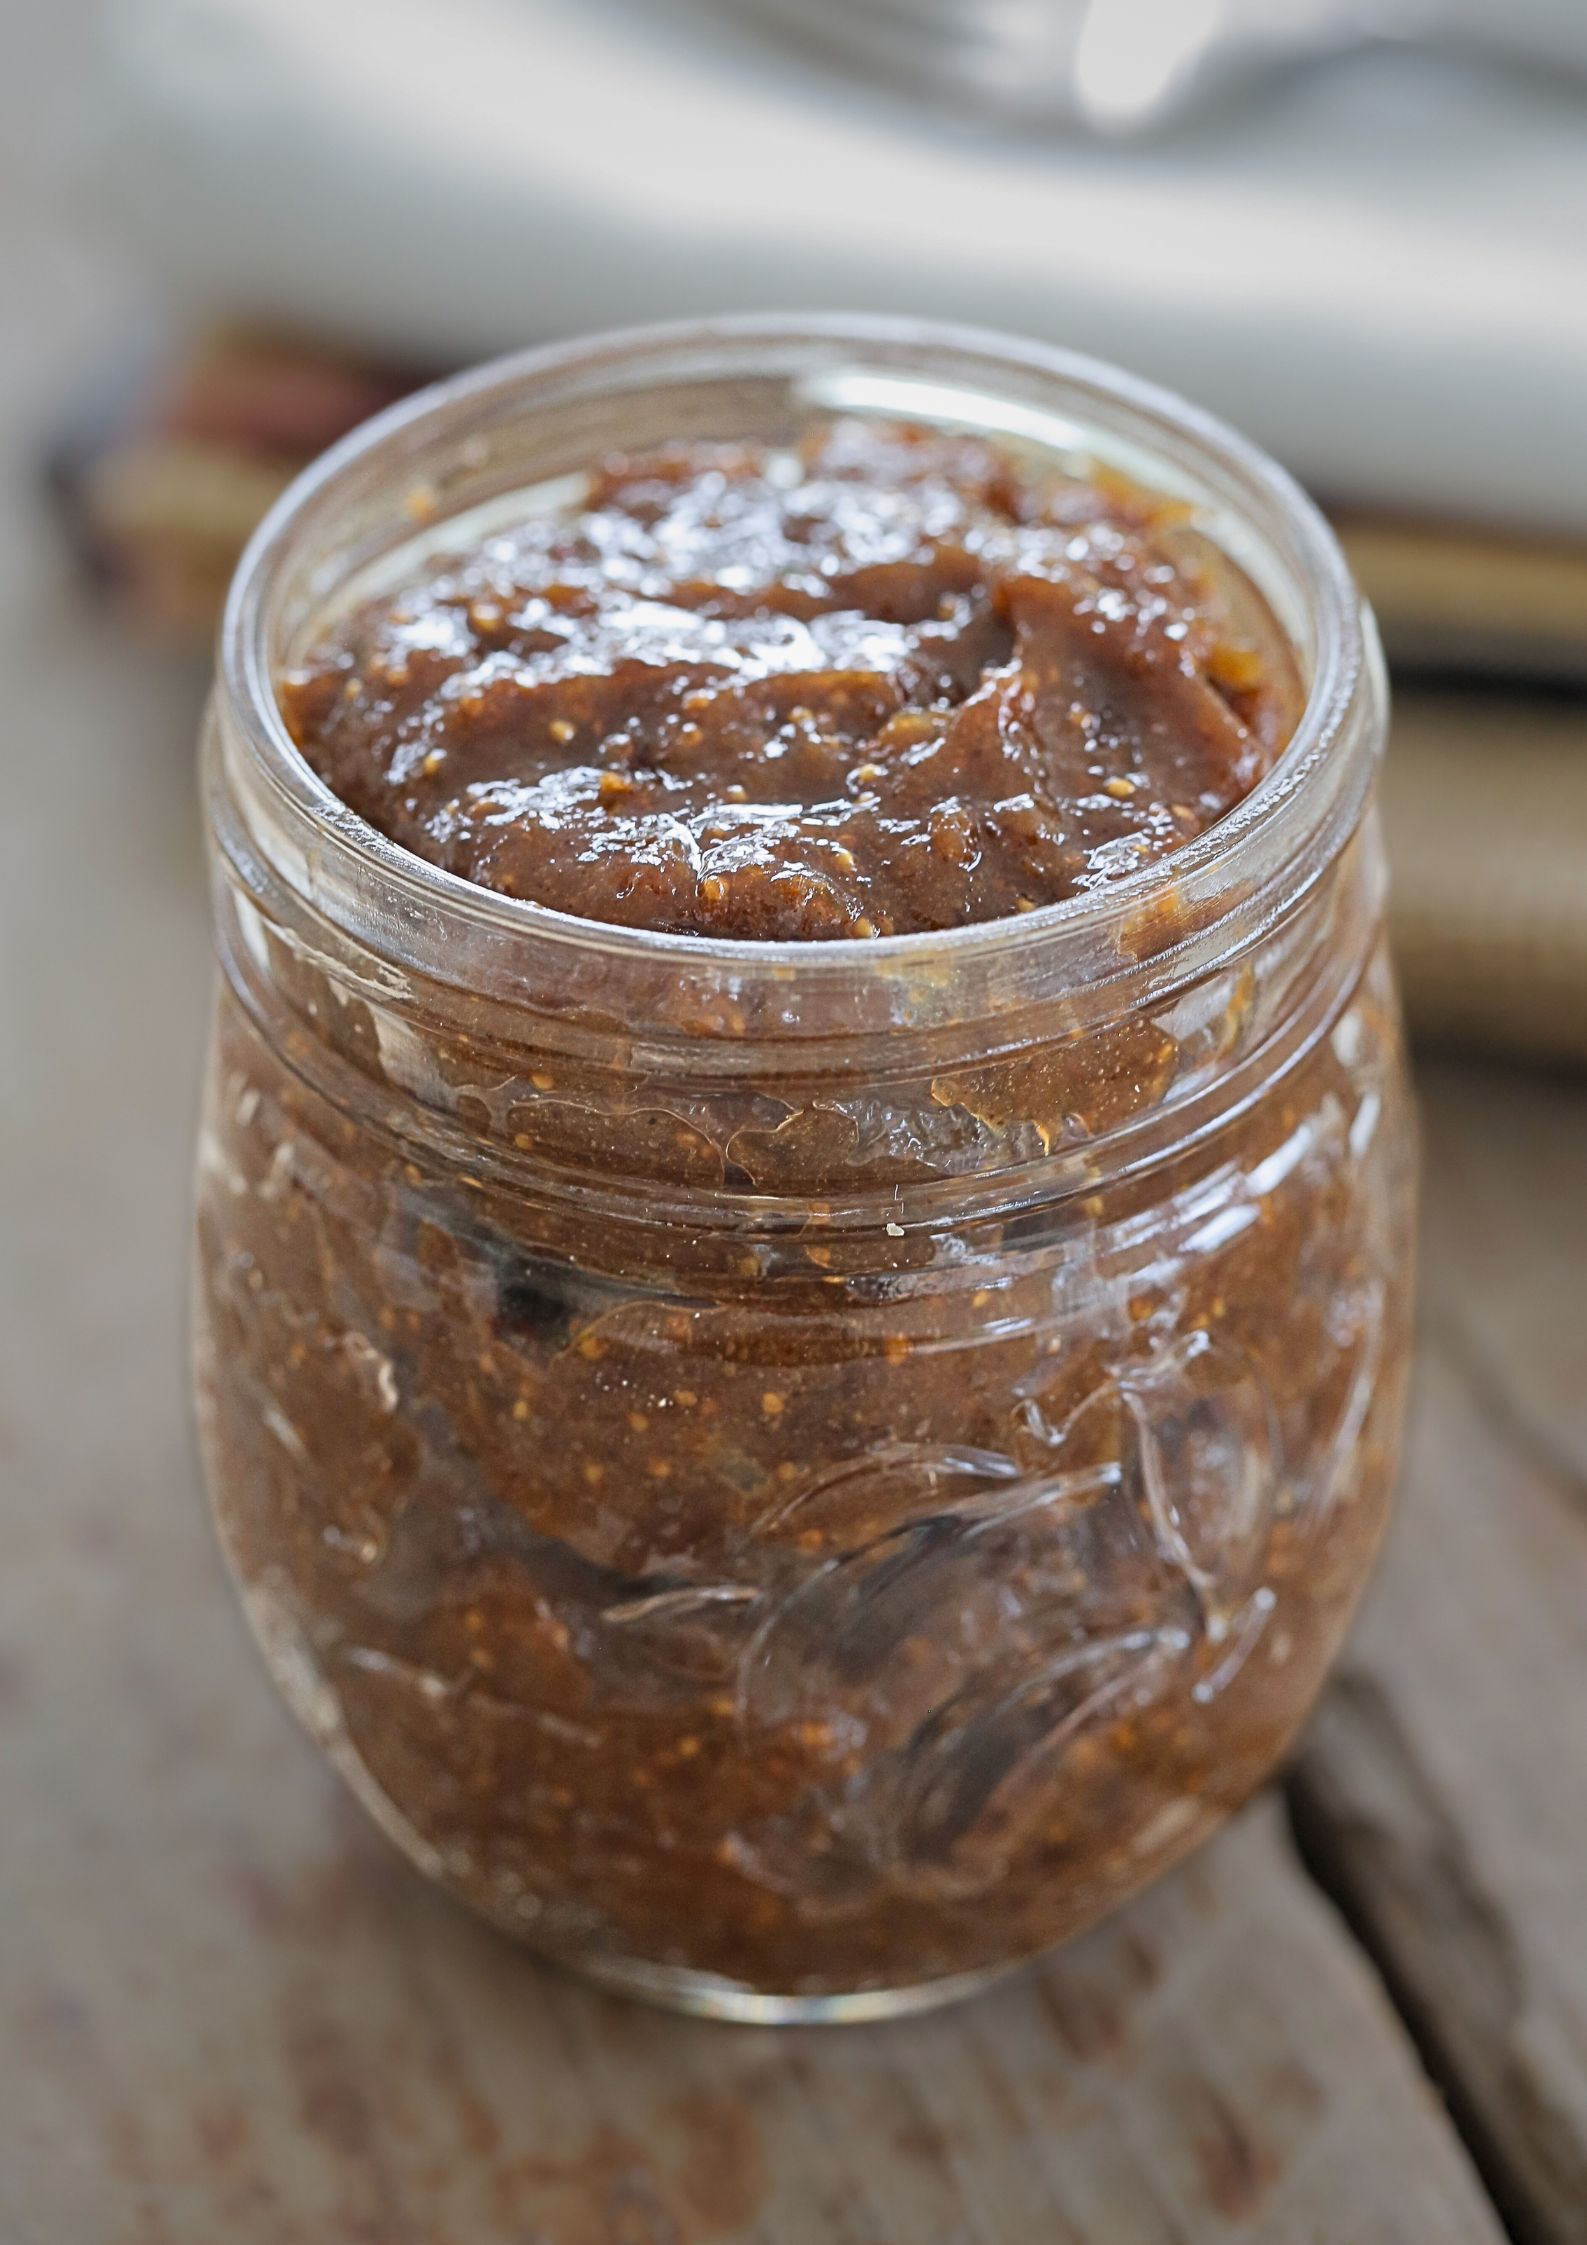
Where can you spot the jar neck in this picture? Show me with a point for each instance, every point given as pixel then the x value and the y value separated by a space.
pixel 1033 1057
pixel 694 1104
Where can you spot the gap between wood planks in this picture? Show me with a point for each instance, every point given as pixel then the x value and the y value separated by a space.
pixel 1390 1849
pixel 1330 1862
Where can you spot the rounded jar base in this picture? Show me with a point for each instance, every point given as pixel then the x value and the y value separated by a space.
pixel 707 1995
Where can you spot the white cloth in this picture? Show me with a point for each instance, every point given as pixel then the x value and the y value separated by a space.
pixel 1380 272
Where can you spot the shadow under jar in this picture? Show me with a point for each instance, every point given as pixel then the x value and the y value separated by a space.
pixel 794 1476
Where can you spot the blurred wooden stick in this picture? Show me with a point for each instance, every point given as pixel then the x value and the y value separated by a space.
pixel 1485 804
pixel 1472 601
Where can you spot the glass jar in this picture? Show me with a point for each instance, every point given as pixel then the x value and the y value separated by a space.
pixel 792 1477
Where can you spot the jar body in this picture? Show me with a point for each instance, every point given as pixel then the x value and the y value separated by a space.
pixel 813 1635
pixel 793 1483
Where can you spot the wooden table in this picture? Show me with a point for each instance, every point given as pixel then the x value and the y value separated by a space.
pixel 229 2017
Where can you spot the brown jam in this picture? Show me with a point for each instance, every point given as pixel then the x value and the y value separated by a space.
pixel 881 685
pixel 812 1506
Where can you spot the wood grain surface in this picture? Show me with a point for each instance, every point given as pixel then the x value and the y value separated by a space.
pixel 1443 1787
pixel 228 2014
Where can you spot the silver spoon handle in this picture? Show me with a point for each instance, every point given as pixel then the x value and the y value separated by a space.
pixel 1124 66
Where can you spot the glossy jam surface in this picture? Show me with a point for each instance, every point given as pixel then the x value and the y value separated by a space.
pixel 888 683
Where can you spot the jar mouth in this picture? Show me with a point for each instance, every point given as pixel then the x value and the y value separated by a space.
pixel 1260 855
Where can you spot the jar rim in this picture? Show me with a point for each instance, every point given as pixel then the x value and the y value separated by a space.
pixel 1291 823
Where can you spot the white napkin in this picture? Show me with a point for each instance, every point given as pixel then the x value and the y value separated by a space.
pixel 1381 272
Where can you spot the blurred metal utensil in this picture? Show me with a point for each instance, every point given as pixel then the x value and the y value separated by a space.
pixel 1125 66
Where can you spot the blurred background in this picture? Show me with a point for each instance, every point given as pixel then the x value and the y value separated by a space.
pixel 233 228
pixel 1364 247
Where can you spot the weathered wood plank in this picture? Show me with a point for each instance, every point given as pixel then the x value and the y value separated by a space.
pixel 225 2012
pixel 274 2031
pixel 231 2014
pixel 1443 1790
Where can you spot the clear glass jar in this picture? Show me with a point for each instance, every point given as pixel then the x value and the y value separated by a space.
pixel 792 1477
